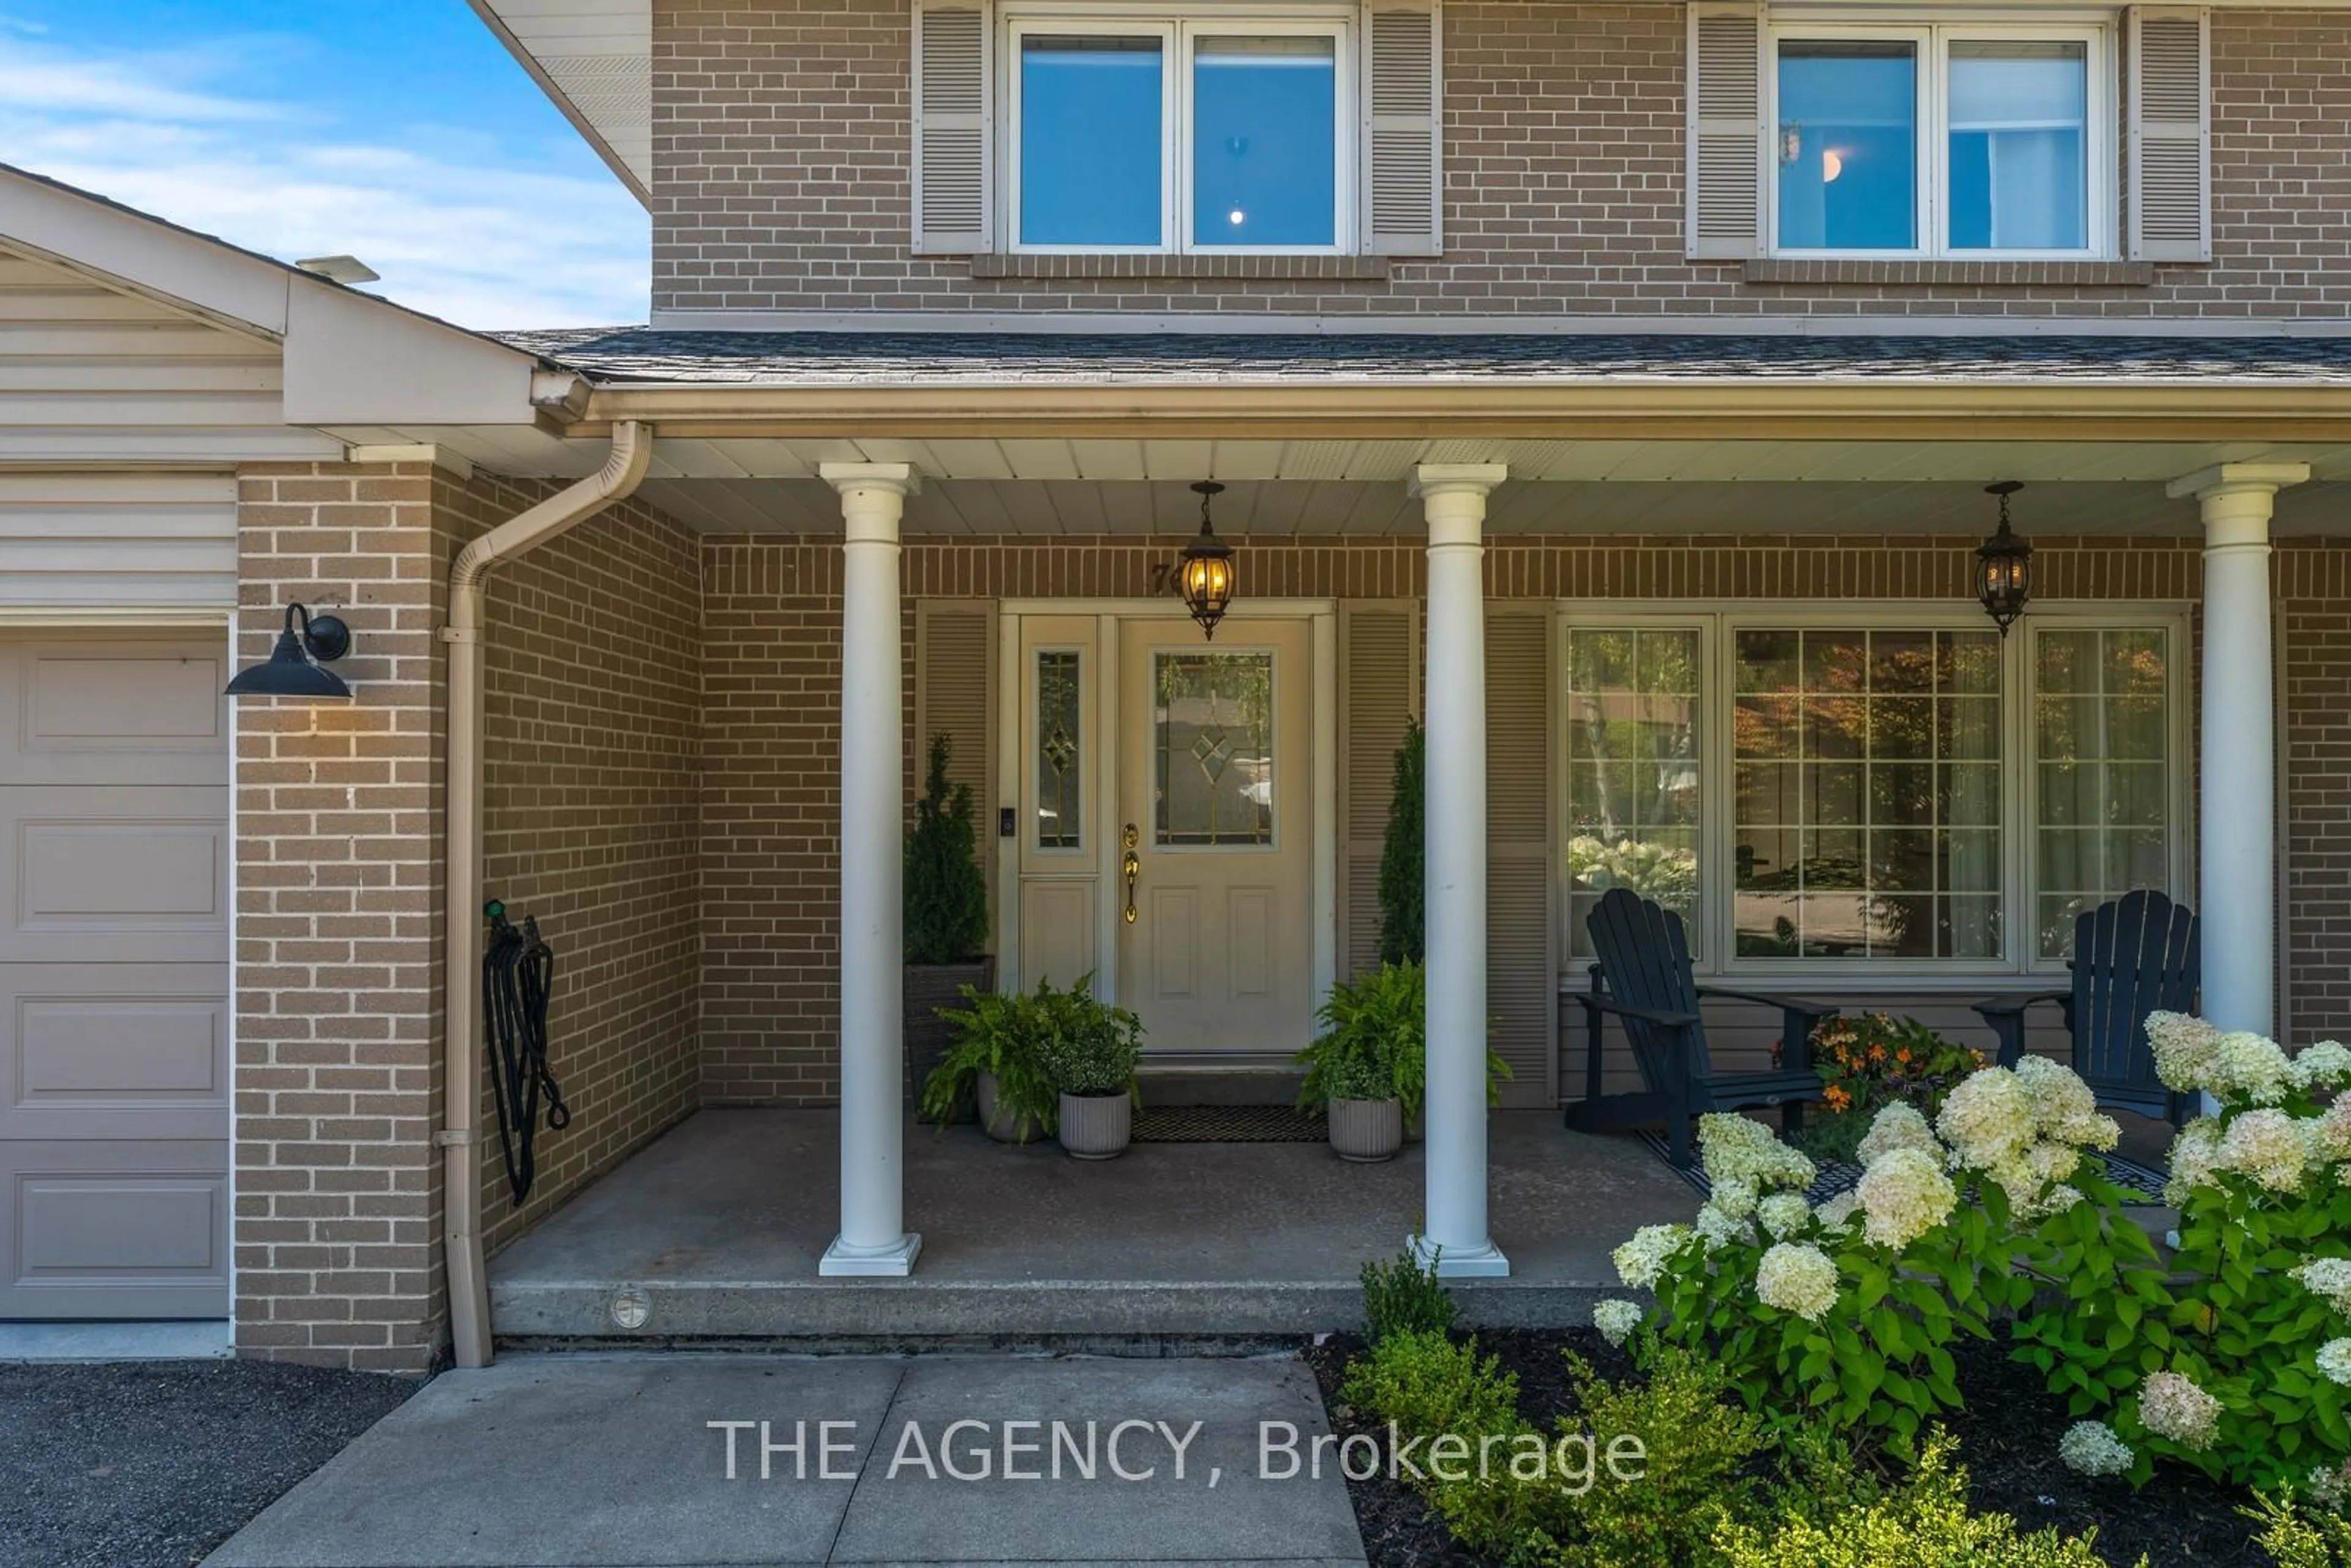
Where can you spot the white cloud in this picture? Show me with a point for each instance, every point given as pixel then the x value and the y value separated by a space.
pixel 476 244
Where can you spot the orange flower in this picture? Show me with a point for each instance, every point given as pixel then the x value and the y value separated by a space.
pixel 1877 1053
pixel 1838 1100
pixel 1902 1056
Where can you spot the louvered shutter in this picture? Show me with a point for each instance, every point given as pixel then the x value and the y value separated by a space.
pixel 1521 982
pixel 2170 134
pixel 1726 143
pixel 953 130
pixel 1403 120
pixel 954 695
pixel 1379 653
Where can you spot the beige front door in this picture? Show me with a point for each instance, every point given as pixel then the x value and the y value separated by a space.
pixel 1214 792
pixel 114 1040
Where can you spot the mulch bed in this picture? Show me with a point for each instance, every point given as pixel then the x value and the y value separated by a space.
pixel 2008 1440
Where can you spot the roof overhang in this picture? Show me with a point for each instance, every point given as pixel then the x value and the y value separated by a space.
pixel 1616 408
pixel 349 357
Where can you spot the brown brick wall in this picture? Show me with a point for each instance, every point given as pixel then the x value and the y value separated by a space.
pixel 780 181
pixel 771 682
pixel 592 773
pixel 338 894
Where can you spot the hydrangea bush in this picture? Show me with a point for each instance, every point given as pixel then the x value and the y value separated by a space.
pixel 2241 1369
pixel 1846 1312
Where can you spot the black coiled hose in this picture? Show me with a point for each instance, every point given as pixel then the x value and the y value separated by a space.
pixel 517 980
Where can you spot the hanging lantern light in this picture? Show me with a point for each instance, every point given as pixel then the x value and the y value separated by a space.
pixel 2004 565
pixel 1203 572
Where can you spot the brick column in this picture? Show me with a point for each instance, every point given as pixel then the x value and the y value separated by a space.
pixel 338 878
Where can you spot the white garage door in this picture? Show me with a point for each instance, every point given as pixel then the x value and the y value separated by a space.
pixel 114 1038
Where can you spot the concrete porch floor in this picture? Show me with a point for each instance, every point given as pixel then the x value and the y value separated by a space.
pixel 717 1227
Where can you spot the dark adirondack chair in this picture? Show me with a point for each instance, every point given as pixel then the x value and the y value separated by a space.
pixel 2133 956
pixel 1644 980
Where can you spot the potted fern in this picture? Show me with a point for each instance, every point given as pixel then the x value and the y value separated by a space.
pixel 945 923
pixel 1368 1069
pixel 995 1062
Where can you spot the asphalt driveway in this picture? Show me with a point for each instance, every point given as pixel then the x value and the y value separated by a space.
pixel 152 1464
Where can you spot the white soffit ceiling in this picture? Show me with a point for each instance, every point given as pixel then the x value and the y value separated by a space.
pixel 594 58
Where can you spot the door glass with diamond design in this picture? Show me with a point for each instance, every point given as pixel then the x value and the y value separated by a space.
pixel 1060 750
pixel 1214 723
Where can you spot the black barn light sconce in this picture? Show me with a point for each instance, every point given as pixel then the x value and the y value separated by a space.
pixel 1203 572
pixel 289 671
pixel 2004 565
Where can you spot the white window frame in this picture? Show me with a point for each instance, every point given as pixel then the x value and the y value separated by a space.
pixel 1932 40
pixel 1179 32
pixel 1719 621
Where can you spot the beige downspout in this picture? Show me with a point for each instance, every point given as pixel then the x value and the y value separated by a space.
pixel 469 1297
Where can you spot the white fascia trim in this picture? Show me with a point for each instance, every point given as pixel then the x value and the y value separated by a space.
pixel 441 457
pixel 1789 326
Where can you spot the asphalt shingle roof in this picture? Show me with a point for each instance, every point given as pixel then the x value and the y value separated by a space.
pixel 643 355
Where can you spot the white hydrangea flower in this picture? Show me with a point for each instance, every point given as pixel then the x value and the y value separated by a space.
pixel 2063 1107
pixel 1784 1214
pixel 2333 1131
pixel 1904 1195
pixel 1616 1319
pixel 2267 1147
pixel 2251 1067
pixel 2194 1155
pixel 1838 1212
pixel 2171 1405
pixel 1735 1197
pixel 1721 1230
pixel 1898 1127
pixel 1642 1259
pixel 2051 1161
pixel 1798 1279
pixel 2092 1447
pixel 1739 1148
pixel 2327 1277
pixel 2330 1486
pixel 2335 1361
pixel 2183 1049
pixel 1987 1119
pixel 2324 1065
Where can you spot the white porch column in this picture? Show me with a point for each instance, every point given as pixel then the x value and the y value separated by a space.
pixel 1454 878
pixel 2236 793
pixel 874 1238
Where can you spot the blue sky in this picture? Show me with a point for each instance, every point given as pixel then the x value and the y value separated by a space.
pixel 402 134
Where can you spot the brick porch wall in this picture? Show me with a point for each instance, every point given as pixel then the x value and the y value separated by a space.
pixel 592 773
pixel 338 895
pixel 780 182
pixel 590 822
pixel 770 863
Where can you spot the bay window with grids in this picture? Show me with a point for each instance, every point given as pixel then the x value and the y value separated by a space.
pixel 1891 792
pixel 1134 134
pixel 1953 141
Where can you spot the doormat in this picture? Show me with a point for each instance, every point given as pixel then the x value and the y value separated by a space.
pixel 2144 1182
pixel 1228 1124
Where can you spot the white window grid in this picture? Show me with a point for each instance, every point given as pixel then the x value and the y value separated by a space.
pixel 2019 806
pixel 1179 36
pixel 2102 227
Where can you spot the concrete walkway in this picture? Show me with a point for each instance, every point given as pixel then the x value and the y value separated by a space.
pixel 614 1463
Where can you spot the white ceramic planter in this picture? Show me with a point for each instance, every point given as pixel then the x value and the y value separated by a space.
pixel 1366 1131
pixel 1000 1121
pixel 1096 1126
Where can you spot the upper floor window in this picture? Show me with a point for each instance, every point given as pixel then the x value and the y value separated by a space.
pixel 1133 135
pixel 1819 132
pixel 1309 127
pixel 1941 141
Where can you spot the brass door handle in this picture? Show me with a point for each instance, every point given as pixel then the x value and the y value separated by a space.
pixel 1131 867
